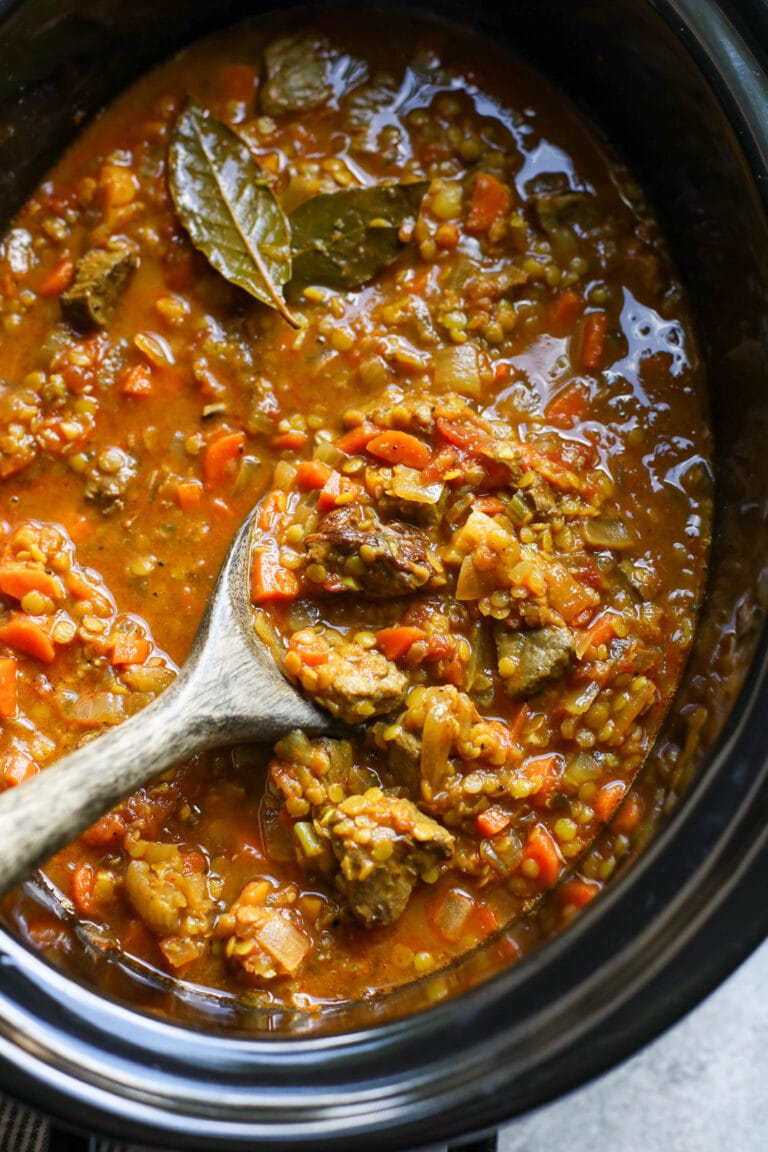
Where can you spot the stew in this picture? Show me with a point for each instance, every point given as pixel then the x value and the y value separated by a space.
pixel 385 280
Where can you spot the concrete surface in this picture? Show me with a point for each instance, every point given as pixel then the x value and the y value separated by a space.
pixel 701 1087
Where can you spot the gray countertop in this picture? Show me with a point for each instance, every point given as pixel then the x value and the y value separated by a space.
pixel 701 1087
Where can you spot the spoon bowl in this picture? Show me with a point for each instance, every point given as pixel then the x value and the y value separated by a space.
pixel 229 690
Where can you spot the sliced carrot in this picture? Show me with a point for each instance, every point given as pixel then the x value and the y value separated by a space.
pixel 628 816
pixel 83 884
pixel 578 892
pixel 18 767
pixel 18 579
pixel 593 341
pixel 129 649
pixel 337 490
pixel 493 821
pixel 357 438
pixel 608 799
pixel 59 278
pixel 312 474
pixel 189 493
pixel 400 448
pixel 601 632
pixel 27 635
pixel 271 509
pixel 270 581
pixel 565 311
pixel 310 647
pixel 395 642
pixel 568 406
pixel 221 458
pixel 467 436
pixel 541 850
pixel 491 202
pixel 82 589
pixel 490 505
pixel 547 768
pixel 137 381
pixel 8 687
pixel 294 439
pixel 501 372
pixel 487 920
pixel 105 831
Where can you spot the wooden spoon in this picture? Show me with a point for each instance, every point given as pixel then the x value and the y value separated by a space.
pixel 229 690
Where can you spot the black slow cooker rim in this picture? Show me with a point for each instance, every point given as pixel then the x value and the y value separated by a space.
pixel 458 1067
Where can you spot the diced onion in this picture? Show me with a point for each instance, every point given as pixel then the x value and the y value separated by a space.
pixel 453 914
pixel 98 708
pixel 408 484
pixel 469 584
pixel 284 943
pixel 604 532
pixel 457 369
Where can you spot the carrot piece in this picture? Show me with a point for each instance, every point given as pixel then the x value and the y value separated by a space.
pixel 608 799
pixel 137 381
pixel 59 278
pixel 270 510
pixel 395 642
pixel 546 768
pixel 83 883
pixel 578 892
pixel 270 581
pixel 486 918
pixel 568 406
pixel 82 589
pixel 18 579
pixel 357 439
pixel 400 448
pixel 564 311
pixel 628 817
pixel 334 488
pixel 8 687
pixel 491 202
pixel 540 850
pixel 105 831
pixel 26 635
pixel 490 505
pixel 593 341
pixel 189 493
pixel 502 372
pixel 294 439
pixel 310 647
pixel 221 458
pixel 128 649
pixel 492 821
pixel 601 632
pixel 312 474
pixel 19 767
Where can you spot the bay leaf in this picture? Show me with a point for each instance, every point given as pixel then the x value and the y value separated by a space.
pixel 226 205
pixel 342 239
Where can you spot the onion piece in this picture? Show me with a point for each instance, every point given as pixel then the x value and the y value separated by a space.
pixel 408 484
pixel 457 369
pixel 285 944
pixel 605 532
pixel 453 914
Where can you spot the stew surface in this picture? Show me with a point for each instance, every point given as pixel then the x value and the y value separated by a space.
pixel 473 410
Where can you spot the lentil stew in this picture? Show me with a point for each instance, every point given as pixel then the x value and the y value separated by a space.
pixel 479 433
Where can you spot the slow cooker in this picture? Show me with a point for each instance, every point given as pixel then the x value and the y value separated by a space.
pixel 680 88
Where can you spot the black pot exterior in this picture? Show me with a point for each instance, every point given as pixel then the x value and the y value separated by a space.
pixel 677 89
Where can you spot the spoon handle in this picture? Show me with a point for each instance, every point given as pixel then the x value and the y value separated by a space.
pixel 49 811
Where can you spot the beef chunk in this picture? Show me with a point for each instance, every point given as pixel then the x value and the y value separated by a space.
pixel 354 683
pixel 528 660
pixel 296 74
pixel 383 845
pixel 553 211
pixel 108 477
pixel 101 277
pixel 354 551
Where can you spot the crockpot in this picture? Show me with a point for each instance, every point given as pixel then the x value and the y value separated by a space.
pixel 680 88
